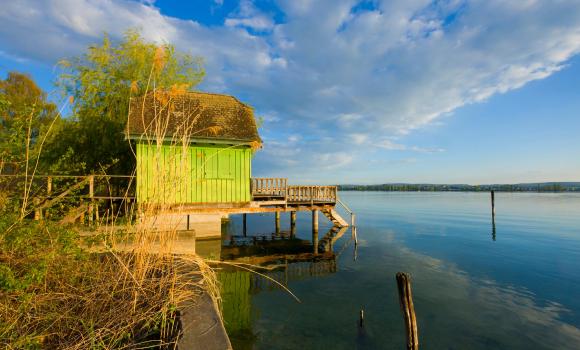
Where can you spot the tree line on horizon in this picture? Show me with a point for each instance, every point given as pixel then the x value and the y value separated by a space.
pixel 528 187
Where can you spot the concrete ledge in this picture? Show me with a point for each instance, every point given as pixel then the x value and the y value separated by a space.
pixel 202 327
pixel 205 224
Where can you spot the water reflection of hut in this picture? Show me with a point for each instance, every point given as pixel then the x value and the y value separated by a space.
pixel 236 305
pixel 282 257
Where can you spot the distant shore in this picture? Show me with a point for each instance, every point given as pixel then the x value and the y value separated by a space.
pixel 550 187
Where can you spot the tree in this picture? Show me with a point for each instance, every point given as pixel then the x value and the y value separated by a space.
pixel 25 117
pixel 102 82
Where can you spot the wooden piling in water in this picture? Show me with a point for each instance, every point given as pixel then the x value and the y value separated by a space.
pixel 493 204
pixel 292 223
pixel 406 301
pixel 361 318
pixel 315 220
pixel 245 224
pixel 277 222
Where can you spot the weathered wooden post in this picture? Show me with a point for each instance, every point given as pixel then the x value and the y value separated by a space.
pixel 37 210
pixel 361 318
pixel 315 220
pixel 493 215
pixel 91 195
pixel 277 222
pixel 48 186
pixel 292 223
pixel 406 301
pixel 315 230
pixel 245 224
pixel 493 204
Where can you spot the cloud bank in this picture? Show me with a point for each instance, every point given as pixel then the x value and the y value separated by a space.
pixel 346 75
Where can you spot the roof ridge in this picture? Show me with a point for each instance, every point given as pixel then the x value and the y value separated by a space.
pixel 199 92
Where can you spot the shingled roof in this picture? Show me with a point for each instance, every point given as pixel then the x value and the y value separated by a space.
pixel 198 115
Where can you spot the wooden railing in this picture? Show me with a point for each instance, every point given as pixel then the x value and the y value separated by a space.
pixel 277 188
pixel 274 187
pixel 39 193
pixel 312 194
pixel 85 186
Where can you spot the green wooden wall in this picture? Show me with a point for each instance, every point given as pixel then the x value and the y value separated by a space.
pixel 174 174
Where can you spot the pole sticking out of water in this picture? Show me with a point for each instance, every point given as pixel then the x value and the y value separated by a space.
pixel 493 215
pixel 245 224
pixel 493 204
pixel 361 318
pixel 406 301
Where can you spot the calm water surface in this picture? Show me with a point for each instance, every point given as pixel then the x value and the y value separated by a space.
pixel 515 286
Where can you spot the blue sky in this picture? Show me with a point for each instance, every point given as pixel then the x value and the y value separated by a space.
pixel 449 91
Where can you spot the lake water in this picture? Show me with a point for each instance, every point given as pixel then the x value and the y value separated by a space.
pixel 515 286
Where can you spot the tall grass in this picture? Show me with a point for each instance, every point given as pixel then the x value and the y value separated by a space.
pixel 57 293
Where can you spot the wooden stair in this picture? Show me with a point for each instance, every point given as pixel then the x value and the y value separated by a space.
pixel 333 235
pixel 75 214
pixel 335 217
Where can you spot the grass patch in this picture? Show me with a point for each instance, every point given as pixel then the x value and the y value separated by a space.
pixel 55 294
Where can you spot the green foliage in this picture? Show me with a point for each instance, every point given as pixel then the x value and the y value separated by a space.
pixel 25 117
pixel 28 250
pixel 54 294
pixel 101 82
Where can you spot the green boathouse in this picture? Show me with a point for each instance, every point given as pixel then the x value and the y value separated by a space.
pixel 192 147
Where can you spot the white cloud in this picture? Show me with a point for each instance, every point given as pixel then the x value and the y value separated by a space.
pixel 391 145
pixel 333 160
pixel 249 16
pixel 328 71
pixel 359 139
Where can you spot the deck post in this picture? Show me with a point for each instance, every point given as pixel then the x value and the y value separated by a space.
pixel 277 222
pixel 315 220
pixel 315 230
pixel 245 216
pixel 406 301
